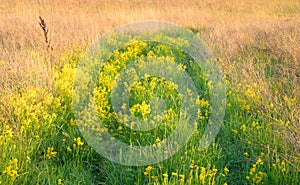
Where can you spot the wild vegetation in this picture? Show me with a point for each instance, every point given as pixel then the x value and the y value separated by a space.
pixel 258 49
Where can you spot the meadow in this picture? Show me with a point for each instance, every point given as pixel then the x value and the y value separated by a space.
pixel 257 44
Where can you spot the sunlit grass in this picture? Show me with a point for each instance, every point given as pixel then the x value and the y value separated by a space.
pixel 258 49
pixel 248 149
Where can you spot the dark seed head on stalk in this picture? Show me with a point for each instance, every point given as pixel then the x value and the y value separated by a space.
pixel 43 25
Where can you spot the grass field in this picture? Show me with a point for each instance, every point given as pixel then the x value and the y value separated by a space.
pixel 258 48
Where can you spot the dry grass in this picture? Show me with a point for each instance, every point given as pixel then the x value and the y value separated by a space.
pixel 229 26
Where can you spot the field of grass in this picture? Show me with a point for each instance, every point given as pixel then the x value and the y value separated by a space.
pixel 258 48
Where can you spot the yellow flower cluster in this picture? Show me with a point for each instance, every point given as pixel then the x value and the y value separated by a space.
pixel 280 166
pixel 33 109
pixel 244 105
pixel 6 135
pixel 59 181
pixel 69 149
pixel 256 125
pixel 251 91
pixel 181 67
pixel 225 172
pixel 141 109
pixel 181 176
pixel 63 82
pixel 50 153
pixel 254 175
pixel 12 168
pixel 204 108
pixel 207 175
pixel 147 170
pixel 77 142
pixel 165 176
pixel 243 127
pixel 283 123
pixel 234 131
pixel 174 174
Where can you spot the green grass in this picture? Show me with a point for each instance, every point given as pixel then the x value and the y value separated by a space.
pixel 253 143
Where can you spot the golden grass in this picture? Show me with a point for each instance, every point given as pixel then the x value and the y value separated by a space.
pixel 230 26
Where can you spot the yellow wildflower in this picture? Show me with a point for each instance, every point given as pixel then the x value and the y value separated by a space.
pixel 243 128
pixel 157 140
pixel 254 124
pixel 226 170
pixel 50 153
pixel 181 176
pixel 119 128
pixel 11 170
pixel 234 131
pixel 174 174
pixel 203 170
pixel 78 141
pixel 69 149
pixel 149 168
pixel 28 159
pixel 259 161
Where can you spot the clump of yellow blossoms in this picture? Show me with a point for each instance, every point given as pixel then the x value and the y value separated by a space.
pixel 243 128
pixel 12 168
pixel 59 181
pixel 147 170
pixel 78 142
pixel 254 175
pixel 141 109
pixel 50 153
pixel 226 171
